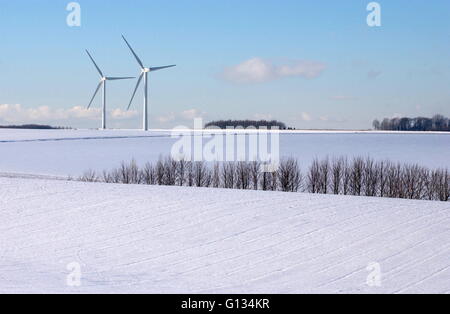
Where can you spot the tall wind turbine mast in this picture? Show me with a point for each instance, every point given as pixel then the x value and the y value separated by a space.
pixel 103 80
pixel 144 74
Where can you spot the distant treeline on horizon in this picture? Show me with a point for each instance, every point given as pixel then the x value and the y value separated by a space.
pixel 33 127
pixel 223 124
pixel 438 123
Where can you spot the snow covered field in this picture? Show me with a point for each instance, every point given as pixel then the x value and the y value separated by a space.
pixel 186 240
pixel 71 152
pixel 183 240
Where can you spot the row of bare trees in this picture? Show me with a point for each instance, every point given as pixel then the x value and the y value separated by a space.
pixel 358 176
pixel 366 177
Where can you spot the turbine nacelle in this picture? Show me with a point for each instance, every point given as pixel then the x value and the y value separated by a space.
pixel 146 70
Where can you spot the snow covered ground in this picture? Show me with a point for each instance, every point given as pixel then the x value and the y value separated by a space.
pixel 72 152
pixel 182 240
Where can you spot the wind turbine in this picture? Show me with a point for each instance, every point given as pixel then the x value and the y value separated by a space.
pixel 144 74
pixel 103 80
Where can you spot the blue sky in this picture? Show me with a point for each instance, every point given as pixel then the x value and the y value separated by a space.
pixel 322 65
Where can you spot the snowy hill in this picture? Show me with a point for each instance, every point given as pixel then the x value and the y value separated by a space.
pixel 72 152
pixel 181 240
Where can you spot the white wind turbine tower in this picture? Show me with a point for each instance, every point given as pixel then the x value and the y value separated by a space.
pixel 144 74
pixel 102 83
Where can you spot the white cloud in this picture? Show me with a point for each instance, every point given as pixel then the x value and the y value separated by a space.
pixel 258 70
pixel 170 117
pixel 312 120
pixel 306 116
pixel 331 119
pixel 21 115
pixel 253 70
pixel 78 112
pixel 192 114
pixel 181 117
pixel 120 114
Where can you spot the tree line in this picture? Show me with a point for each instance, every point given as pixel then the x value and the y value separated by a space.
pixel 223 124
pixel 340 176
pixel 437 123
pixel 33 127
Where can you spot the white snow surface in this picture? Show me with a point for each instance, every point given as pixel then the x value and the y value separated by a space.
pixel 72 152
pixel 143 239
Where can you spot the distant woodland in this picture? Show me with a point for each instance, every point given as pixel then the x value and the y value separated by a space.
pixel 32 127
pixel 223 124
pixel 437 123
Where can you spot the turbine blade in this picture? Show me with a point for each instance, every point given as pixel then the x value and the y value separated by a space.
pixel 96 66
pixel 119 78
pixel 95 94
pixel 135 90
pixel 161 68
pixel 134 53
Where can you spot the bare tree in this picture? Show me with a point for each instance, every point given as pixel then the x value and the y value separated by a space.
pixel 116 176
pixel 356 182
pixel 443 185
pixel 202 177
pixel 134 173
pixel 346 177
pixel 370 178
pixel 412 181
pixel 297 177
pixel 422 176
pixel 89 176
pixel 431 185
pixel 394 181
pixel 107 177
pixel 265 181
pixel 314 177
pixel 148 174
pixel 181 172
pixel 324 175
pixel 337 172
pixel 274 181
pixel 255 174
pixel 124 174
pixel 289 175
pixel 446 186
pixel 160 172
pixel 190 174
pixel 381 168
pixel 170 171
pixel 243 175
pixel 215 178
pixel 208 177
pixel 229 175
